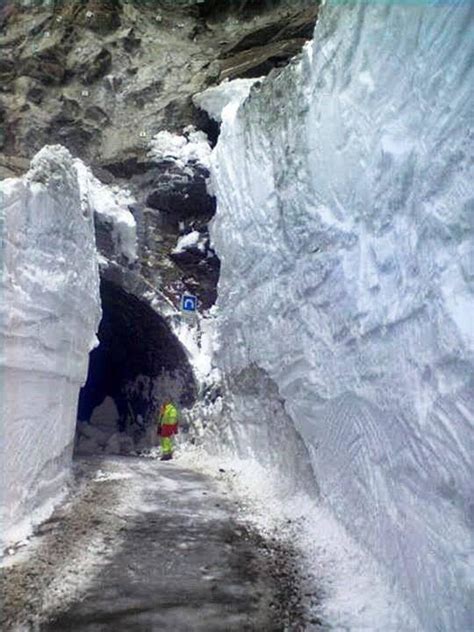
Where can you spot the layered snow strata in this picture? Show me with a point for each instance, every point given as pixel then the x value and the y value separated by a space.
pixel 49 313
pixel 344 229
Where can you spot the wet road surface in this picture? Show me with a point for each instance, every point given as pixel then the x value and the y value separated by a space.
pixel 176 558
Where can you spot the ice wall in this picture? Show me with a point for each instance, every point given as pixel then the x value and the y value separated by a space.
pixel 345 233
pixel 49 313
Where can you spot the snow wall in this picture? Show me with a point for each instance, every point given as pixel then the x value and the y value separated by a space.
pixel 49 313
pixel 345 233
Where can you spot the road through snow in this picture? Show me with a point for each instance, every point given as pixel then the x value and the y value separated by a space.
pixel 144 545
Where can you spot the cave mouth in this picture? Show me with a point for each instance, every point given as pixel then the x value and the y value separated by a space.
pixel 137 364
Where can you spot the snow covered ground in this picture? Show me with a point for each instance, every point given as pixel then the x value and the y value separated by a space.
pixel 344 229
pixel 343 588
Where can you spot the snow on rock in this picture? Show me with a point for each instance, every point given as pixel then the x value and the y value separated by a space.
pixel 49 314
pixel 191 147
pixel 215 99
pixel 344 230
pixel 194 239
pixel 112 205
pixel 197 336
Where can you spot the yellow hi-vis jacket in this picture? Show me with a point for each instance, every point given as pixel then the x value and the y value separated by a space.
pixel 168 420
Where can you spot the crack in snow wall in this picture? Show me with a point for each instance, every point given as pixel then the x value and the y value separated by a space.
pixel 344 229
pixel 49 313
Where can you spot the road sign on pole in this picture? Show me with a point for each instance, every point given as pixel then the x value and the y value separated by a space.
pixel 189 303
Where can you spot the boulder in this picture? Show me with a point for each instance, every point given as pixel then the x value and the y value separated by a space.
pixel 181 193
pixel 297 26
pixel 96 67
pixel 48 66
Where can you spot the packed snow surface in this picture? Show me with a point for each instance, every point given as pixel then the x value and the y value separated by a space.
pixel 344 229
pixel 49 313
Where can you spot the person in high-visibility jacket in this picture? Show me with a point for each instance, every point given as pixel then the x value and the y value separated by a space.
pixel 167 428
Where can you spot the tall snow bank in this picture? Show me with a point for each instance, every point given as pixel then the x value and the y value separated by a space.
pixel 344 229
pixel 49 313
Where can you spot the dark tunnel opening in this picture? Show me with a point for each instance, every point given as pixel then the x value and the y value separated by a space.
pixel 138 363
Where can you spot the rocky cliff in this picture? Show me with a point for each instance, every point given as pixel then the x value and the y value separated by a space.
pixel 113 81
pixel 103 77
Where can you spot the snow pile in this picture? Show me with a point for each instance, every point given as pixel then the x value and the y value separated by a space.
pixel 112 205
pixel 344 229
pixel 215 99
pixel 101 433
pixel 49 313
pixel 191 147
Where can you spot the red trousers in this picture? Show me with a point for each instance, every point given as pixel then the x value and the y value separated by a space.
pixel 168 430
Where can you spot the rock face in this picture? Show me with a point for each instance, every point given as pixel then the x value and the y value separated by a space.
pixel 103 77
pixel 140 63
pixel 270 46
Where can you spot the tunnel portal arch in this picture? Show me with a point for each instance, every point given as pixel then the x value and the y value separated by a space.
pixel 138 362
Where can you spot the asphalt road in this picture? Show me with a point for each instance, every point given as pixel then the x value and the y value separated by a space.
pixel 152 546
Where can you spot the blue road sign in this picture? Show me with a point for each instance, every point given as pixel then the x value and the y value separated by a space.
pixel 189 303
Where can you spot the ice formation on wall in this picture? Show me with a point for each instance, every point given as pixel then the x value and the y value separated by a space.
pixel 344 229
pixel 49 313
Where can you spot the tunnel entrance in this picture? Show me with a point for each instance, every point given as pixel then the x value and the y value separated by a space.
pixel 138 363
